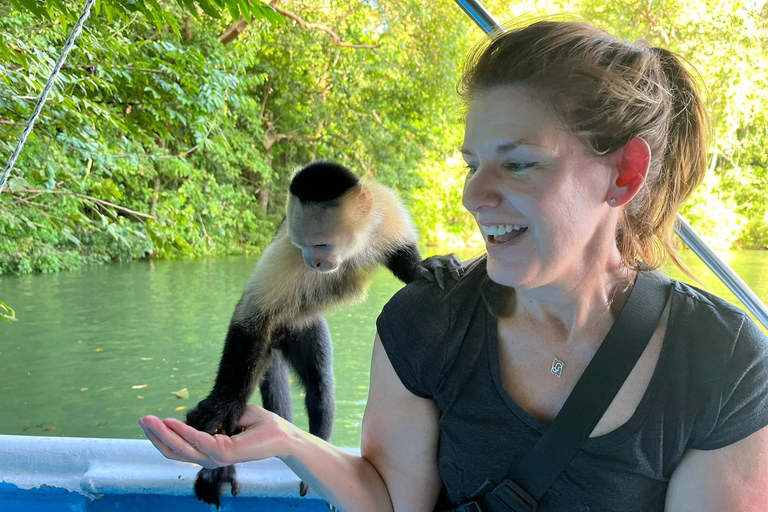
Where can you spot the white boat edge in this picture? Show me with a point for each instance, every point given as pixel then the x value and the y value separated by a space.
pixel 97 467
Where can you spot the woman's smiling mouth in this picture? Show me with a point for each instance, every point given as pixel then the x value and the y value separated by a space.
pixel 502 233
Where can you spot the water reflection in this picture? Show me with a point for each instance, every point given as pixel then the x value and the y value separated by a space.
pixel 97 348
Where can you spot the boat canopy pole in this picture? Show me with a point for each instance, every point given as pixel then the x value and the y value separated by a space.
pixel 731 279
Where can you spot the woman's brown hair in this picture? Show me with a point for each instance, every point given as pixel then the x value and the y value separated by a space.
pixel 607 92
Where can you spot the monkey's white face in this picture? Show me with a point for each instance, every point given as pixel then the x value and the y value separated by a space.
pixel 322 233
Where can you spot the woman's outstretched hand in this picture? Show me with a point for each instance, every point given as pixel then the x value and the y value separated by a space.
pixel 265 435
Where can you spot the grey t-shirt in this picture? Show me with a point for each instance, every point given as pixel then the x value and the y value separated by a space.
pixel 709 390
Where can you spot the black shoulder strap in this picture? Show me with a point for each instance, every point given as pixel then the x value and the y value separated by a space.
pixel 588 401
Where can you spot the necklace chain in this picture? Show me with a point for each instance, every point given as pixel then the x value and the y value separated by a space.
pixel 558 366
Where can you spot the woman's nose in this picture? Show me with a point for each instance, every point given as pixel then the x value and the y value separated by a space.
pixel 480 189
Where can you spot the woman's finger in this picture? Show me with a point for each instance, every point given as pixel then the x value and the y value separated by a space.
pixel 164 449
pixel 171 444
pixel 214 448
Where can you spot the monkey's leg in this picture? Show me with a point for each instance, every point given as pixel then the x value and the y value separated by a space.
pixel 310 352
pixel 311 355
pixel 276 388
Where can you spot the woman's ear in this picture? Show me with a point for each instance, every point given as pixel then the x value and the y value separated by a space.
pixel 631 167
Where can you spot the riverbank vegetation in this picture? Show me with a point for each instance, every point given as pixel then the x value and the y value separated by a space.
pixel 175 126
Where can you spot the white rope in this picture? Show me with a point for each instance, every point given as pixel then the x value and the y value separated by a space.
pixel 44 95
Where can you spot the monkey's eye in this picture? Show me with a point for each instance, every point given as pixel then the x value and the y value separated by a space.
pixel 321 246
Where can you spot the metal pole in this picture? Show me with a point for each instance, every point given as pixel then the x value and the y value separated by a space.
pixel 731 279
pixel 721 269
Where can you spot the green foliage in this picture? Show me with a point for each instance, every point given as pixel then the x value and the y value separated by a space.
pixel 160 141
pixel 156 12
pixel 167 143
pixel 727 45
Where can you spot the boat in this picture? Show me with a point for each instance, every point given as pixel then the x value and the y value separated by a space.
pixel 42 474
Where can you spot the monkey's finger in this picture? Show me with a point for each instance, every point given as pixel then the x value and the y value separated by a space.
pixel 440 277
pixel 455 266
pixel 426 274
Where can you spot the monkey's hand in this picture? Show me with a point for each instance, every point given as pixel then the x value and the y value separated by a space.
pixel 215 415
pixel 434 268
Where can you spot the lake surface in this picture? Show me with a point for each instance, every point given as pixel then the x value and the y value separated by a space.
pixel 95 349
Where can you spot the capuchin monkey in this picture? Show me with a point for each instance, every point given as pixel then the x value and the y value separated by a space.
pixel 336 232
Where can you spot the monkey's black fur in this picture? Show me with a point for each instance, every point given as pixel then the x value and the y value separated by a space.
pixel 322 181
pixel 280 324
pixel 309 352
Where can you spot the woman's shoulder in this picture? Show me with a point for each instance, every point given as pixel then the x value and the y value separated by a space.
pixel 420 326
pixel 717 319
pixel 427 296
pixel 720 356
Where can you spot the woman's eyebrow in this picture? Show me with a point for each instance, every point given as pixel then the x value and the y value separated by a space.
pixel 501 148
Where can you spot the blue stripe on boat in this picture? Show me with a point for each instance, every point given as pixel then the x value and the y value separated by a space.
pixel 40 474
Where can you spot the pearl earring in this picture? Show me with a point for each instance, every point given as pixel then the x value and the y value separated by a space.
pixel 613 200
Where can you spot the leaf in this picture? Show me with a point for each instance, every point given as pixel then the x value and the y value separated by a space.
pixel 140 386
pixel 70 237
pixel 182 393
pixel 269 13
pixel 208 9
pixel 180 408
pixel 16 184
pixel 233 8
pixel 191 8
pixel 7 313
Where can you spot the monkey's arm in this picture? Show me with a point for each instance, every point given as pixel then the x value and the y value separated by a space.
pixel 406 264
pixel 242 360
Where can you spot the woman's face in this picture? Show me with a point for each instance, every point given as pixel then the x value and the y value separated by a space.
pixel 537 194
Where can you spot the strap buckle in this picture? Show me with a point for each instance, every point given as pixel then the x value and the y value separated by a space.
pixel 514 497
pixel 470 506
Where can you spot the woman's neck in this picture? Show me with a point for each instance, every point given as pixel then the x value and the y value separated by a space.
pixel 570 309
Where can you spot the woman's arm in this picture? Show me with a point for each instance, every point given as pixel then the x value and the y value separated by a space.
pixel 396 472
pixel 400 434
pixel 732 478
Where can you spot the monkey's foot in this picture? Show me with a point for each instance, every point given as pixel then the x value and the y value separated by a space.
pixel 209 482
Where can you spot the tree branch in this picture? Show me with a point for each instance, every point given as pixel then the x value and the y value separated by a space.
pixel 235 29
pixel 314 26
pixel 96 200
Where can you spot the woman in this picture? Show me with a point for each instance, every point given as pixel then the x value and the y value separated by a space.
pixel 580 149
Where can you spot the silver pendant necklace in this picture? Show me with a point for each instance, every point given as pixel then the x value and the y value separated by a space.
pixel 557 365
pixel 557 368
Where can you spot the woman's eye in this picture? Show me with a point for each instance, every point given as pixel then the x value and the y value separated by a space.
pixel 515 166
pixel 471 169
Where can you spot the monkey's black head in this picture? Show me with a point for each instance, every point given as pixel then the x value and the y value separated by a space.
pixel 321 182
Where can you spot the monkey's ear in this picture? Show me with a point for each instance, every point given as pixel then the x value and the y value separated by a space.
pixel 364 199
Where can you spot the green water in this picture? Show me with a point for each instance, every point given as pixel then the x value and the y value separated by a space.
pixel 95 349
